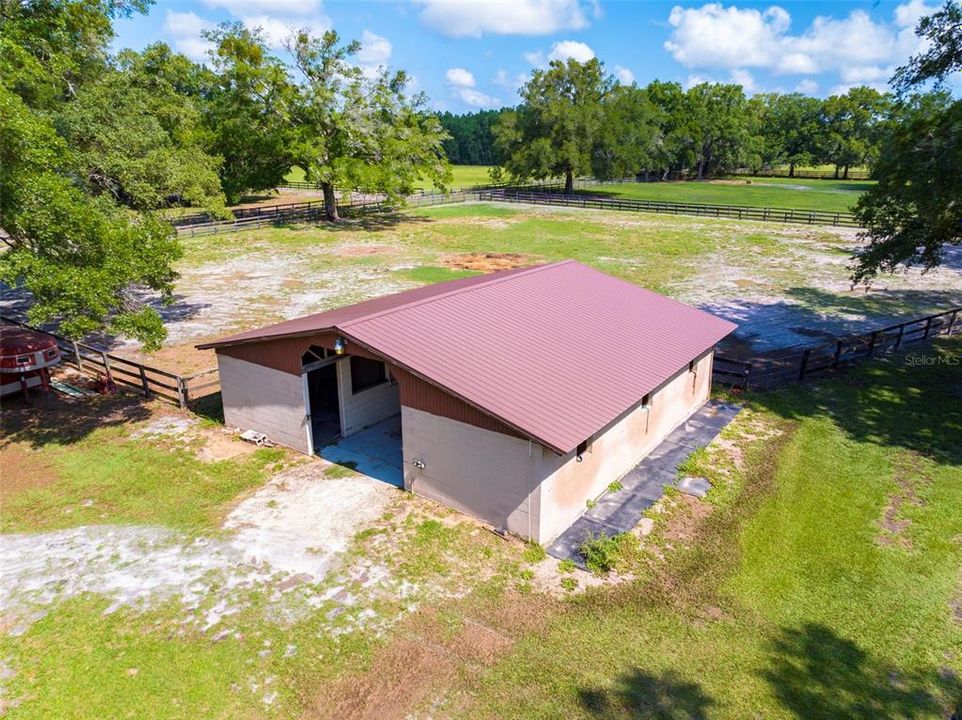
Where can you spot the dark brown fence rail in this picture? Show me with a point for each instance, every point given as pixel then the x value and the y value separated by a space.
pixel 150 381
pixel 791 365
pixel 807 174
pixel 737 212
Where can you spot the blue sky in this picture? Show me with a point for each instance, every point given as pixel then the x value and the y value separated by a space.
pixel 468 54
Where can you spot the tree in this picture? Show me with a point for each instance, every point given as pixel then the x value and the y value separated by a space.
pixel 790 129
pixel 556 129
pixel 79 256
pixel 137 138
pixel 360 130
pixel 915 210
pixel 943 30
pixel 718 126
pixel 248 111
pixel 628 136
pixel 851 122
pixel 674 146
pixel 71 180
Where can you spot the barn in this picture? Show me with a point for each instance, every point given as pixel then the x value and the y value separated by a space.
pixel 515 396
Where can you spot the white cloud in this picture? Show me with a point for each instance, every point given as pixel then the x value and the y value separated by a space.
pixel 807 86
pixel 744 78
pixel 459 78
pixel 464 87
pixel 474 18
pixel 275 30
pixel 534 57
pixel 715 36
pixel 240 8
pixel 624 75
pixel 184 29
pixel 375 53
pixel 565 49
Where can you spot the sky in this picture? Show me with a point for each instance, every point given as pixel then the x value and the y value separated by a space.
pixel 474 54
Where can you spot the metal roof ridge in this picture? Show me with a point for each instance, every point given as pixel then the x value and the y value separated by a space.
pixel 456 291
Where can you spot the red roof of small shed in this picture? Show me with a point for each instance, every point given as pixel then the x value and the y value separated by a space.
pixel 556 351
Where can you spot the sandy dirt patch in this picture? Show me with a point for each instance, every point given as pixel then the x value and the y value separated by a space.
pixel 288 536
pixel 486 262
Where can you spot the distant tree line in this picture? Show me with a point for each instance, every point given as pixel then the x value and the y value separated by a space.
pixel 471 137
pixel 662 129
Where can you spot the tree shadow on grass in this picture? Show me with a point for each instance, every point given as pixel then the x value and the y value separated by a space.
pixel 638 694
pixel 815 673
pixel 371 222
pixel 52 419
pixel 911 400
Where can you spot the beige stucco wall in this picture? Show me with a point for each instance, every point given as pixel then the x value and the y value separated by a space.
pixel 369 406
pixel 567 484
pixel 259 398
pixel 483 473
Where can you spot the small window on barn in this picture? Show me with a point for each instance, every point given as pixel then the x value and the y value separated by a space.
pixel 366 373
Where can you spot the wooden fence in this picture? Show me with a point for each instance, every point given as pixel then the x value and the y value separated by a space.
pixel 806 174
pixel 738 212
pixel 150 381
pixel 791 365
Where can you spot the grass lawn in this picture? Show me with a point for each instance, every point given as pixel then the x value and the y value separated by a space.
pixel 827 195
pixel 462 176
pixel 87 463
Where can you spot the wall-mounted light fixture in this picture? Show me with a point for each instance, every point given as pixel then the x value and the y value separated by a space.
pixel 339 345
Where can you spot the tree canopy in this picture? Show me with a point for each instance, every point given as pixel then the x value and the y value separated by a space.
pixel 554 131
pixel 359 129
pixel 915 210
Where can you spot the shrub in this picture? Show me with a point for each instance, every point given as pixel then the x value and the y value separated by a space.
pixel 603 553
pixel 569 583
pixel 614 486
pixel 590 504
pixel 566 566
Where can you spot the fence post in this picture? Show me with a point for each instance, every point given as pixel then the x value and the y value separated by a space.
pixel 898 340
pixel 110 374
pixel 143 381
pixel 76 354
pixel 871 344
pixel 838 353
pixel 182 392
pixel 804 364
pixel 748 375
pixel 928 326
pixel 951 322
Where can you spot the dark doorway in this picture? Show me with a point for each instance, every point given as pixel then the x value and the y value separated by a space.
pixel 324 407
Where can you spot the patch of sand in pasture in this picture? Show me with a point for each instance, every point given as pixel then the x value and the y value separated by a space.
pixel 286 535
pixel 486 262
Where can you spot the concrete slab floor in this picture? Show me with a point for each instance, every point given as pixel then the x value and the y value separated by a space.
pixel 643 485
pixel 374 451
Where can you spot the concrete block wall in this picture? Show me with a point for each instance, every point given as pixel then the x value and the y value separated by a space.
pixel 566 484
pixel 260 398
pixel 369 406
pixel 480 472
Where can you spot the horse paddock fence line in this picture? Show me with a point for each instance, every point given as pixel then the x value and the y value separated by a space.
pixel 145 379
pixel 792 365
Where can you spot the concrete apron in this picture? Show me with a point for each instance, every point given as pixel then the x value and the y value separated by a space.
pixel 374 451
pixel 644 484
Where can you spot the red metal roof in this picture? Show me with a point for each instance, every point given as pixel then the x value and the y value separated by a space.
pixel 556 351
